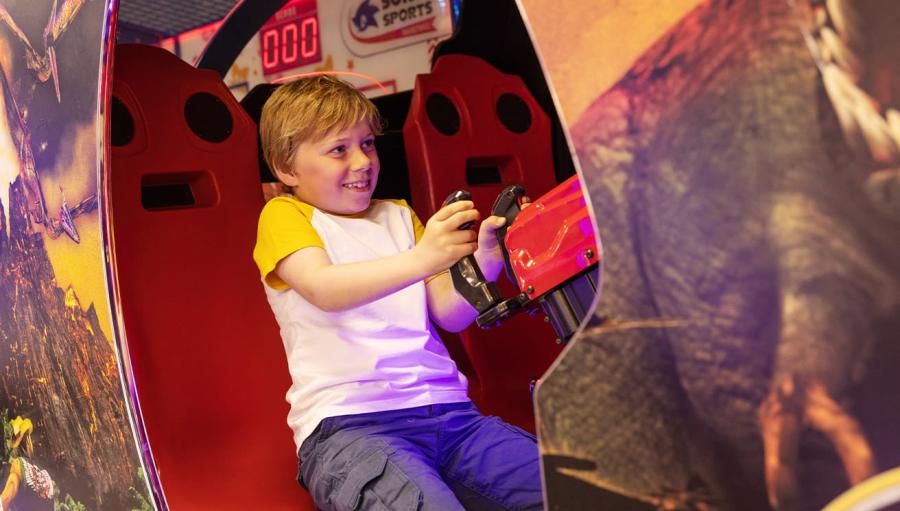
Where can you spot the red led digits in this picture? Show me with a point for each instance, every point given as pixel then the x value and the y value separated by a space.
pixel 290 43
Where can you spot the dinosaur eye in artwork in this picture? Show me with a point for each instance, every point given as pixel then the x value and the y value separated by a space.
pixel 442 114
pixel 513 113
pixel 208 117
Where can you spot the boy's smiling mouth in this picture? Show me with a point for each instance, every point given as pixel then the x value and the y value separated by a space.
pixel 357 185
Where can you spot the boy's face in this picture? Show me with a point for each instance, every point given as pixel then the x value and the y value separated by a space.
pixel 337 173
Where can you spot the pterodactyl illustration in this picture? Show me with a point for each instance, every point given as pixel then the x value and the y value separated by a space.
pixel 44 66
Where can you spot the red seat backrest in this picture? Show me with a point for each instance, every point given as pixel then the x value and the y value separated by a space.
pixel 208 362
pixel 472 127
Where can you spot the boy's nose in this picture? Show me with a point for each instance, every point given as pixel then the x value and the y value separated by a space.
pixel 360 160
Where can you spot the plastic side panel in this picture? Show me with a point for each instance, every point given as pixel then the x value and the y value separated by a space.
pixel 552 240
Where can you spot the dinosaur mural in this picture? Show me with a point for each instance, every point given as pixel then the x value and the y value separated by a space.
pixel 743 173
pixel 68 442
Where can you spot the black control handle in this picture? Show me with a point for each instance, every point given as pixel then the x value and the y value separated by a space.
pixel 457 196
pixel 465 273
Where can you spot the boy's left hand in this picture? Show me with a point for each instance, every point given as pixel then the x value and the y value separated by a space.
pixel 488 255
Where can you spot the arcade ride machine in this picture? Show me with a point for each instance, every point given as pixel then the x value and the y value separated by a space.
pixel 140 366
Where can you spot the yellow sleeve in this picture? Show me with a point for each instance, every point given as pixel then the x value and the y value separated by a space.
pixel 418 228
pixel 284 228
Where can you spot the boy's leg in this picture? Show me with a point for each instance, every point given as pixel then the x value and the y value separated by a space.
pixel 489 464
pixel 374 462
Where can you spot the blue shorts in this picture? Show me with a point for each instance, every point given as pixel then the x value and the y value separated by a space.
pixel 438 457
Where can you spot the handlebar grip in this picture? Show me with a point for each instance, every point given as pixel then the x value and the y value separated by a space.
pixel 457 196
pixel 465 273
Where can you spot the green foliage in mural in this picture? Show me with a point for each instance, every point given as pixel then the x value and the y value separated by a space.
pixel 68 504
pixel 7 434
pixel 143 504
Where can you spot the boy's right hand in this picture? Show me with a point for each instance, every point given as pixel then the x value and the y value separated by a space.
pixel 443 244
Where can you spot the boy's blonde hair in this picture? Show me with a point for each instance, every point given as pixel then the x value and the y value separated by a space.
pixel 307 110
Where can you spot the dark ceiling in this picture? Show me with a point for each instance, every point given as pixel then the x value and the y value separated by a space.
pixel 162 18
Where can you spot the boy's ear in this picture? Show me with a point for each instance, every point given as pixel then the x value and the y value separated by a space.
pixel 288 178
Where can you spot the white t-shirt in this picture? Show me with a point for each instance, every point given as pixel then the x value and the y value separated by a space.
pixel 384 355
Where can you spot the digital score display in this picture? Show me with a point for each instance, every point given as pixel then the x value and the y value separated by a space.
pixel 290 38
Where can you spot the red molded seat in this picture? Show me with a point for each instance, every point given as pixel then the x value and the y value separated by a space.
pixel 472 127
pixel 208 362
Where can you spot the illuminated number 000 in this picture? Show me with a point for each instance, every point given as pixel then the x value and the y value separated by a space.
pixel 280 43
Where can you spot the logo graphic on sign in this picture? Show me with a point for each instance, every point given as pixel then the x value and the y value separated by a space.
pixel 374 26
pixel 365 16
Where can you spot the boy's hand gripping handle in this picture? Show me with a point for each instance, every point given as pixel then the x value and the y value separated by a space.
pixel 508 206
pixel 466 275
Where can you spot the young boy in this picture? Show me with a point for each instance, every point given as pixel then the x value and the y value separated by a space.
pixel 379 411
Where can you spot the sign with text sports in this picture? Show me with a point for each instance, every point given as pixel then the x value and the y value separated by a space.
pixel 374 26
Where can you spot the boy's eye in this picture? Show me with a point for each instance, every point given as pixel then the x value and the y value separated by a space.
pixel 369 143
pixel 341 149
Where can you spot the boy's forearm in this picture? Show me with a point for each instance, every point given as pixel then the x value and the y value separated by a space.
pixel 448 308
pixel 338 287
pixel 490 264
